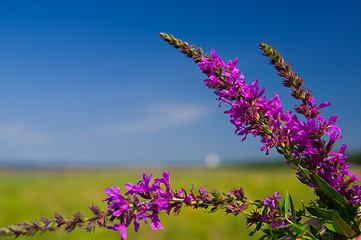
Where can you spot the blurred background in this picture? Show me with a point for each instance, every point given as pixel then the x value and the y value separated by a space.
pixel 90 84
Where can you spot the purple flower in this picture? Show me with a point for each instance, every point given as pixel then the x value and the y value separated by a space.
pixel 237 192
pixel 165 181
pixel 273 200
pixel 279 224
pixel 202 191
pixel 142 186
pixel 157 198
pixel 113 193
pixel 141 215
pixel 186 196
pixel 121 229
pixel 116 202
pixel 155 223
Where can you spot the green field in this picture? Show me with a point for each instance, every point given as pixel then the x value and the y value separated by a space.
pixel 26 196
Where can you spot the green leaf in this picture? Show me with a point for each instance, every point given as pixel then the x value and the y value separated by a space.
pixel 303 208
pixel 257 228
pixel 293 211
pixel 305 172
pixel 320 212
pixel 330 191
pixel 285 226
pixel 341 227
pixel 41 224
pixel 214 209
pixel 264 212
pixel 262 238
pixel 266 129
pixel 280 151
pixel 298 228
pixel 330 227
pixel 313 230
pixel 308 238
pixel 285 204
pixel 289 157
pixel 292 146
pixel 54 225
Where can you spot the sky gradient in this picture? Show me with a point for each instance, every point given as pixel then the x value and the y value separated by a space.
pixel 92 80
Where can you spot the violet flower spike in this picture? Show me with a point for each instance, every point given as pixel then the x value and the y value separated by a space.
pixel 158 197
pixel 252 113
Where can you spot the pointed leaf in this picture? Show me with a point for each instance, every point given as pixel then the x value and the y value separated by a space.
pixel 299 227
pixel 264 212
pixel 341 226
pixel 305 172
pixel 262 238
pixel 292 146
pixel 280 151
pixel 329 226
pixel 257 228
pixel 293 211
pixel 288 157
pixel 330 191
pixel 313 230
pixel 214 209
pixel 320 212
pixel 285 204
pixel 303 208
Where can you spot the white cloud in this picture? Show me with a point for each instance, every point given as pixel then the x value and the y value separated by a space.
pixel 158 116
pixel 212 160
pixel 22 133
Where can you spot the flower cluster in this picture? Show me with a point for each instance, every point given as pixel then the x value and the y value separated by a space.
pixel 301 142
pixel 250 111
pixel 145 201
pixel 128 210
pixel 308 147
pixel 269 215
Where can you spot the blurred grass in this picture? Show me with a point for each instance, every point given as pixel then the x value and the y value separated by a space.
pixel 26 196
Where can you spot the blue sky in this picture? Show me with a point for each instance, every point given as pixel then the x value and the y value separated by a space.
pixel 93 81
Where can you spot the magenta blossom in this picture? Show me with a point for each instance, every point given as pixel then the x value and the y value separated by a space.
pixel 272 200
